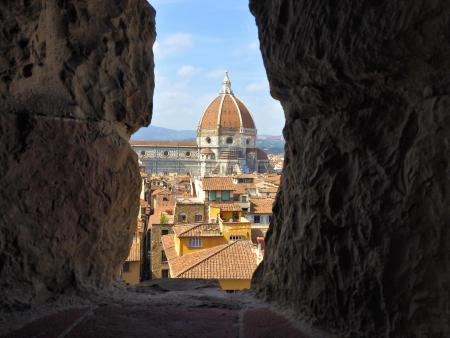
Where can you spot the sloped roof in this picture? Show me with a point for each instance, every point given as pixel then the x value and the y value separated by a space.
pixel 261 205
pixel 218 183
pixel 227 206
pixel 241 188
pixel 268 190
pixel 197 230
pixel 234 260
pixel 135 251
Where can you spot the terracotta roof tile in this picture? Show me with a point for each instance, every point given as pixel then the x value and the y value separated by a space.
pixel 261 205
pixel 169 246
pixel 235 260
pixel 233 114
pixel 247 120
pixel 135 251
pixel 227 206
pixel 197 230
pixel 242 188
pixel 268 190
pixel 218 183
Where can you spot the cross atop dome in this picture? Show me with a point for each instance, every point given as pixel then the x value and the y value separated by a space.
pixel 226 85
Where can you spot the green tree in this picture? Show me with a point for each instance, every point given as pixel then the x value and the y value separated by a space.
pixel 163 219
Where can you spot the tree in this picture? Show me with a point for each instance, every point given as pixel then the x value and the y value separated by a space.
pixel 163 219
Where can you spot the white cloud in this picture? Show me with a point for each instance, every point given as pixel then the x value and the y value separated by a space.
pixel 178 40
pixel 216 73
pixel 253 45
pixel 256 87
pixel 186 70
pixel 172 44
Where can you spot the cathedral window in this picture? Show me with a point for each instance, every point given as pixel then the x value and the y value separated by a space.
pixel 142 153
pixel 229 140
pixel 188 153
pixel 248 141
pixel 208 140
pixel 166 153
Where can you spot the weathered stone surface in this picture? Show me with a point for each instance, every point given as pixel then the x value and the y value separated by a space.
pixel 76 79
pixel 360 234
pixel 81 59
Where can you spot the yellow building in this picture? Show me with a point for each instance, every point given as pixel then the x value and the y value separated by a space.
pixel 230 218
pixel 219 250
pixel 232 264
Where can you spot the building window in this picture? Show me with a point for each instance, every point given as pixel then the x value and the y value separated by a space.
pixel 182 218
pixel 257 219
pixel 243 199
pixel 195 242
pixel 166 153
pixel 235 238
pixel 270 218
pixel 208 140
pixel 163 257
pixel 188 153
pixel 164 232
pixel 142 153
pixel 225 195
pixel 247 141
pixel 164 273
pixel 198 218
pixel 229 140
pixel 212 195
pixel 126 267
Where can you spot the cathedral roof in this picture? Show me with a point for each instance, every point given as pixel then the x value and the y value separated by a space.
pixel 226 111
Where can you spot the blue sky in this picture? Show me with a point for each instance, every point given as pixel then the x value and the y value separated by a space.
pixel 197 40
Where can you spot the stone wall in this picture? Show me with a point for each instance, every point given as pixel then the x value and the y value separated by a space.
pixel 360 234
pixel 190 210
pixel 76 79
pixel 157 249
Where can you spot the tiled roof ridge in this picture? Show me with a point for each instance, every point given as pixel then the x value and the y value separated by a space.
pixel 189 229
pixel 225 246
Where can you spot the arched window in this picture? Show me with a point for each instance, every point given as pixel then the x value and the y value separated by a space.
pixel 195 242
pixel 229 140
pixel 248 141
pixel 166 153
pixel 182 218
pixel 142 152
pixel 208 139
pixel 235 238
pixel 188 153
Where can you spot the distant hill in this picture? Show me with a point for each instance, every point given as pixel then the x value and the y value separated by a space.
pixel 152 133
pixel 271 144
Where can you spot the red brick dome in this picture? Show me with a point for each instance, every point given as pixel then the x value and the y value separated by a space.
pixel 226 111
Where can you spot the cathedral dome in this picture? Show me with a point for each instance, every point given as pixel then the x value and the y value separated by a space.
pixel 226 111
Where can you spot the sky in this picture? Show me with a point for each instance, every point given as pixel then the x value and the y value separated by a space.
pixel 197 40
